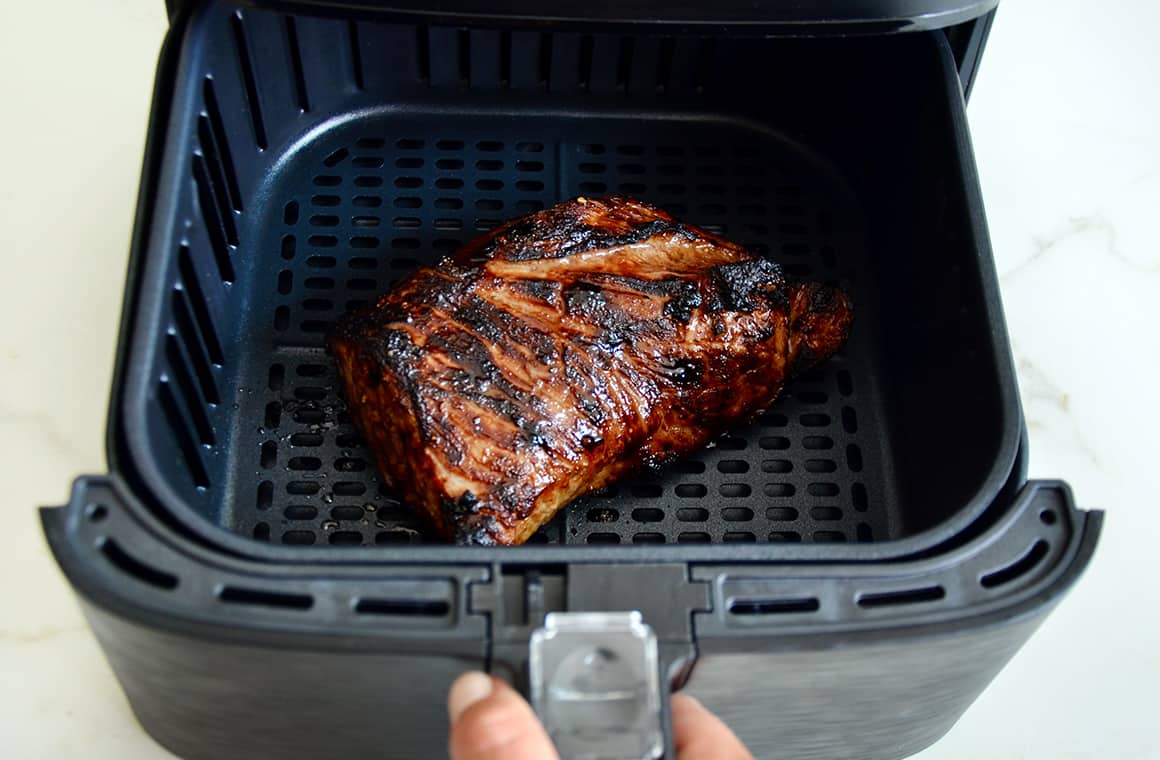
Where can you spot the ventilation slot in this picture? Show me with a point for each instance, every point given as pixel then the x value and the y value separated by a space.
pixel 220 228
pixel 544 61
pixel 185 441
pixel 276 377
pixel 193 402
pixel 585 72
pixel 347 514
pixel 909 596
pixel 1021 566
pixel 648 514
pixel 704 70
pixel 249 80
pixel 773 606
pixel 260 598
pixel 300 512
pixel 211 134
pixel 403 607
pixel 199 305
pixel 130 565
pixel 296 65
pixel 624 63
pixel 356 63
pixel 463 47
pixel 183 320
pixel 423 53
pixel 505 59
pixel 665 64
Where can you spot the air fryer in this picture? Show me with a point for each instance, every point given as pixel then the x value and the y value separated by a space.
pixel 839 578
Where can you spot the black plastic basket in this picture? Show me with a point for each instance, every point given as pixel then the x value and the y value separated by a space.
pixel 870 547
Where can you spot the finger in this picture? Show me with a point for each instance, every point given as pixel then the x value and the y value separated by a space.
pixel 700 735
pixel 490 721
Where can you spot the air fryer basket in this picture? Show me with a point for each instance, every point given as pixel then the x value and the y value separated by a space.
pixel 840 578
pixel 315 160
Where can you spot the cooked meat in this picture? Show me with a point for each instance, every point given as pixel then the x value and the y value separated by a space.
pixel 550 357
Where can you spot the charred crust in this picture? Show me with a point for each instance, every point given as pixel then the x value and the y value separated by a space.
pixel 682 296
pixel 584 298
pixel 593 410
pixel 749 284
pixel 611 339
pixel 531 430
pixel 683 302
pixel 523 229
pixel 578 226
pixel 394 349
pixel 457 511
pixel 543 290
pixel 590 303
pixel 475 529
pixel 803 360
pixel 822 298
pixel 475 534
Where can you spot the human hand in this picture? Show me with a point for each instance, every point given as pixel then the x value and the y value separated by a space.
pixel 491 721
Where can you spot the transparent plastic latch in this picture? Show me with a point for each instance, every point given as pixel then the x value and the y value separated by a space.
pixel 595 684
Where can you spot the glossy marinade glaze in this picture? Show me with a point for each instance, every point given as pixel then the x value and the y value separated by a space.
pixel 565 349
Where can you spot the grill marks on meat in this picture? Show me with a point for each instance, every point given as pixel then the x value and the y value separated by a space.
pixel 564 349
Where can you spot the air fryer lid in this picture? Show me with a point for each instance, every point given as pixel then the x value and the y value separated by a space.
pixel 821 17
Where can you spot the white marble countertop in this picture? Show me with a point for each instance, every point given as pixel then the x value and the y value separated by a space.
pixel 1064 117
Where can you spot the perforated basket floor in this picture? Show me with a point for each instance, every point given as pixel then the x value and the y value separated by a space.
pixel 364 203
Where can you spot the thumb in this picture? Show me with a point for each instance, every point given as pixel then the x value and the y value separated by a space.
pixel 490 721
pixel 700 735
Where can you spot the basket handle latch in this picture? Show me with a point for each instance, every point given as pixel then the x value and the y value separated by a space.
pixel 594 680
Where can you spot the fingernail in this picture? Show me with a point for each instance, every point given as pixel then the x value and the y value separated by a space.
pixel 468 689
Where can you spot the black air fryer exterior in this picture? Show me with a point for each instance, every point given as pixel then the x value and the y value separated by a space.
pixel 225 654
pixel 273 678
